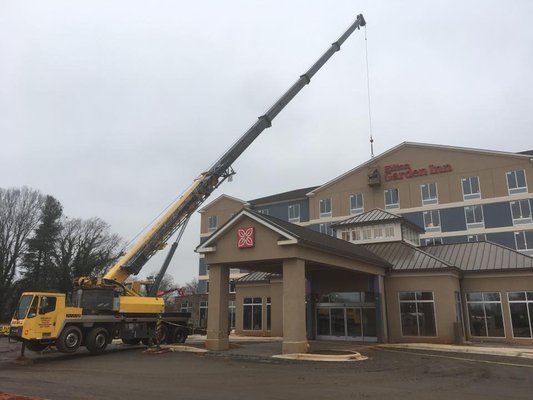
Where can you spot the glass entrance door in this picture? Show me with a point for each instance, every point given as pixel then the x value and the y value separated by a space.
pixel 338 322
pixel 346 322
pixel 354 327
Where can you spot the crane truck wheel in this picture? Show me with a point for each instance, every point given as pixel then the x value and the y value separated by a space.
pixel 69 340
pixel 96 341
pixel 180 336
pixel 162 335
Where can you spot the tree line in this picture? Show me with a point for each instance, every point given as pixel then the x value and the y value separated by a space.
pixel 41 249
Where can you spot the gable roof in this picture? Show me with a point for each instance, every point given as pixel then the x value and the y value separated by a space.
pixel 399 147
pixel 285 196
pixel 406 257
pixel 220 198
pixel 375 216
pixel 303 236
pixel 481 256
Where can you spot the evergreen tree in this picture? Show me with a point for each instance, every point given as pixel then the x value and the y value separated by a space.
pixel 38 266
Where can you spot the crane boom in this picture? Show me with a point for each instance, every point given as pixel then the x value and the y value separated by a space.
pixel 180 212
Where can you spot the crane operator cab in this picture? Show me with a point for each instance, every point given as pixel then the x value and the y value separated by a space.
pixel 35 319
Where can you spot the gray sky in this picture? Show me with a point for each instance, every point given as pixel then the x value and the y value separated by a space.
pixel 115 107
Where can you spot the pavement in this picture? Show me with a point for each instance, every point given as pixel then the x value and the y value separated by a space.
pixel 485 349
pixel 252 347
pixel 271 346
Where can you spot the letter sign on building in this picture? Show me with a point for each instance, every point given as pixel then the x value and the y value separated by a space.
pixel 245 237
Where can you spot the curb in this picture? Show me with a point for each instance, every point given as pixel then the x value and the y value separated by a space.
pixel 494 351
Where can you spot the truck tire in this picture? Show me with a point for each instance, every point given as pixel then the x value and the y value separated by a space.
pixel 162 335
pixel 180 336
pixel 70 339
pixel 96 340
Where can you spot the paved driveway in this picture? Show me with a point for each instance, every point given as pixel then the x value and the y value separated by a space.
pixel 249 372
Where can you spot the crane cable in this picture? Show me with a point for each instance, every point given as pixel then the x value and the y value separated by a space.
pixel 368 94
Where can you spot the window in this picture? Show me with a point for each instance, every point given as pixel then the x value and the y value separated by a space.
pixel 264 211
pixel 269 314
pixel 232 287
pixel 471 188
pixel 389 231
pixel 378 232
pixel 392 198
pixel 516 181
pixel 476 238
pixel 356 234
pixel 326 229
pixel 429 193
pixel 521 211
pixel 184 306
pixel 48 304
pixel 203 314
pixel 212 222
pixel 22 308
pixel 521 242
pixel 410 235
pixel 417 312
pixel 521 309
pixel 252 314
pixel 367 233
pixel 432 221
pixel 433 241
pixel 207 287
pixel 356 203
pixel 33 308
pixel 231 314
pixel 345 235
pixel 474 217
pixel 294 213
pixel 485 314
pixel 325 207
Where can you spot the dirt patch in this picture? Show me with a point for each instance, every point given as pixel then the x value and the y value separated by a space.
pixel 10 396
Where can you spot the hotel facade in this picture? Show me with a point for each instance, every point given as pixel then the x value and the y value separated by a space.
pixel 423 242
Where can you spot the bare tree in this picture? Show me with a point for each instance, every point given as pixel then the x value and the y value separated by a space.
pixel 19 215
pixel 193 286
pixel 84 248
pixel 167 282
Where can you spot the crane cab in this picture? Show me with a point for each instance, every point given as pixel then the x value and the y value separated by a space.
pixel 36 318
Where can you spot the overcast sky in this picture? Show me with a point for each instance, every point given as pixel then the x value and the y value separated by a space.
pixel 114 107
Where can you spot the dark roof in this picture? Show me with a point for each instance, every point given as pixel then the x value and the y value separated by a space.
pixel 285 196
pixel 323 241
pixel 375 216
pixel 526 152
pixel 405 257
pixel 481 256
pixel 258 277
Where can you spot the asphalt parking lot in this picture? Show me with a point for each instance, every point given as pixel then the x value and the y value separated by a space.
pixel 248 371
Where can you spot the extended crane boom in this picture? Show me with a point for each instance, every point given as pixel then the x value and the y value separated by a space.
pixel 103 308
pixel 179 213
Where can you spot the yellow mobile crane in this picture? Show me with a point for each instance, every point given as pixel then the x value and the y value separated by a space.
pixel 103 308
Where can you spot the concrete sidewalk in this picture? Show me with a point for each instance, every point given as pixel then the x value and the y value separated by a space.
pixel 472 348
pixel 485 349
